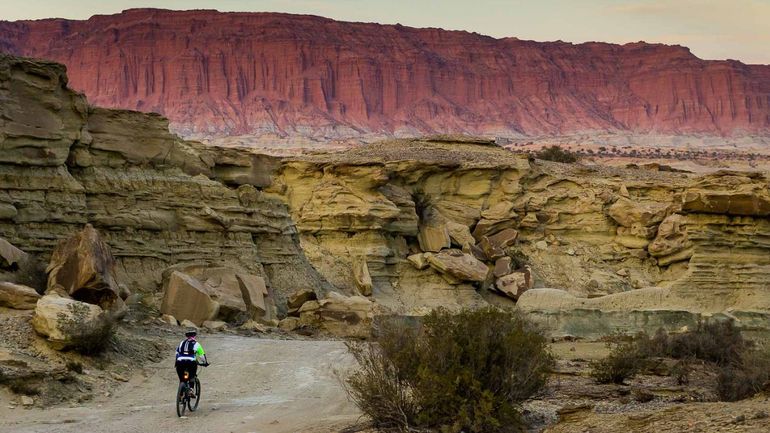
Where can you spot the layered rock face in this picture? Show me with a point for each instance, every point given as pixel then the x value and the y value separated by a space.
pixel 217 73
pixel 595 232
pixel 156 200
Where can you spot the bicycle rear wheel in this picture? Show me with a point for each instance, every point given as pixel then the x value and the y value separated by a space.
pixel 197 388
pixel 182 399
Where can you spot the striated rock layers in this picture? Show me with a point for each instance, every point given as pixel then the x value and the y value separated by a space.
pixel 156 200
pixel 408 224
pixel 217 73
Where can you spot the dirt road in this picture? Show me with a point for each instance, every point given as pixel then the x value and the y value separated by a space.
pixel 253 385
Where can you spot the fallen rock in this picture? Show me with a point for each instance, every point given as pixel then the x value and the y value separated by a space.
pixel 513 285
pixel 67 322
pixel 289 324
pixel 84 268
pixel 27 401
pixel 420 260
pixel 10 254
pixel 186 298
pixel 459 234
pixel 459 265
pixel 502 266
pixel 171 320
pixel 343 316
pixel 362 277
pixel 433 238
pixel 215 325
pixel 17 296
pixel 491 251
pixel 187 324
pixel 254 293
pixel 504 238
pixel 300 297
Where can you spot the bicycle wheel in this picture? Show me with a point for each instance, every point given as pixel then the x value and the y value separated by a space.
pixel 197 388
pixel 182 399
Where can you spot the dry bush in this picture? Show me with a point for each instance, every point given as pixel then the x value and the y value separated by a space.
pixel 744 377
pixel 455 372
pixel 624 361
pixel 557 154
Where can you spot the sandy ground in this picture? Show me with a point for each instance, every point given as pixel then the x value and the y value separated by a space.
pixel 253 385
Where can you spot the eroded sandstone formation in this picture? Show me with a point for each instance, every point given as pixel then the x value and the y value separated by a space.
pixel 217 73
pixel 397 227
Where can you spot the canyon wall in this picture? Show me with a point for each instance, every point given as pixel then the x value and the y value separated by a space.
pixel 412 224
pixel 216 74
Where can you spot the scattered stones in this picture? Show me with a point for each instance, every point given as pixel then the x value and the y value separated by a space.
pixel 254 326
pixel 187 324
pixel 17 296
pixel 289 324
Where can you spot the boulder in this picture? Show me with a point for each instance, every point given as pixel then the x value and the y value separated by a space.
pixel 254 293
pixel 502 267
pixel 433 238
pixel 504 239
pixel 17 296
pixel 491 251
pixel 186 298
pixel 188 324
pixel 224 287
pixel 167 318
pixel 458 265
pixel 459 234
pixel 299 297
pixel 362 277
pixel 289 324
pixel 420 260
pixel 343 316
pixel 215 325
pixel 83 267
pixel 627 212
pixel 514 284
pixel 9 254
pixel 67 322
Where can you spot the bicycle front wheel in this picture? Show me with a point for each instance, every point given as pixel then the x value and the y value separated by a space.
pixel 182 399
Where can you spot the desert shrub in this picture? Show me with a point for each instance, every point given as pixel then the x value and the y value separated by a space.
pixel 745 377
pixel 87 336
pixel 455 372
pixel 23 387
pixel 624 361
pixel 719 342
pixel 75 366
pixel 557 154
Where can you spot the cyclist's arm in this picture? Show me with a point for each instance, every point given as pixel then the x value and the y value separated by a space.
pixel 200 353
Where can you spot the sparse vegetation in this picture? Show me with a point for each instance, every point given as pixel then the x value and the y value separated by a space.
pixel 742 368
pixel 557 154
pixel 89 337
pixel 463 371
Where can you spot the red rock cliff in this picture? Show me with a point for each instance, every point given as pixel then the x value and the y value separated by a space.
pixel 217 73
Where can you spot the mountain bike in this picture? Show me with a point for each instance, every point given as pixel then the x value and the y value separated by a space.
pixel 183 399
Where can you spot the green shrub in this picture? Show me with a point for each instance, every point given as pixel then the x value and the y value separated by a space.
pixel 455 372
pixel 557 154
pixel 624 361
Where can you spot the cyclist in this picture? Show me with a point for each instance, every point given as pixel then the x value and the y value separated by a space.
pixel 187 354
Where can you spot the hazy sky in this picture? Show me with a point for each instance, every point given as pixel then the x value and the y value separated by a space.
pixel 716 29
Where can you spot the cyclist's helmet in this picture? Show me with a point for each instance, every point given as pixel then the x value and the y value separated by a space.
pixel 191 333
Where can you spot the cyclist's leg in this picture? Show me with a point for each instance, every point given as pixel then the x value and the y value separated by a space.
pixel 180 368
pixel 193 370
